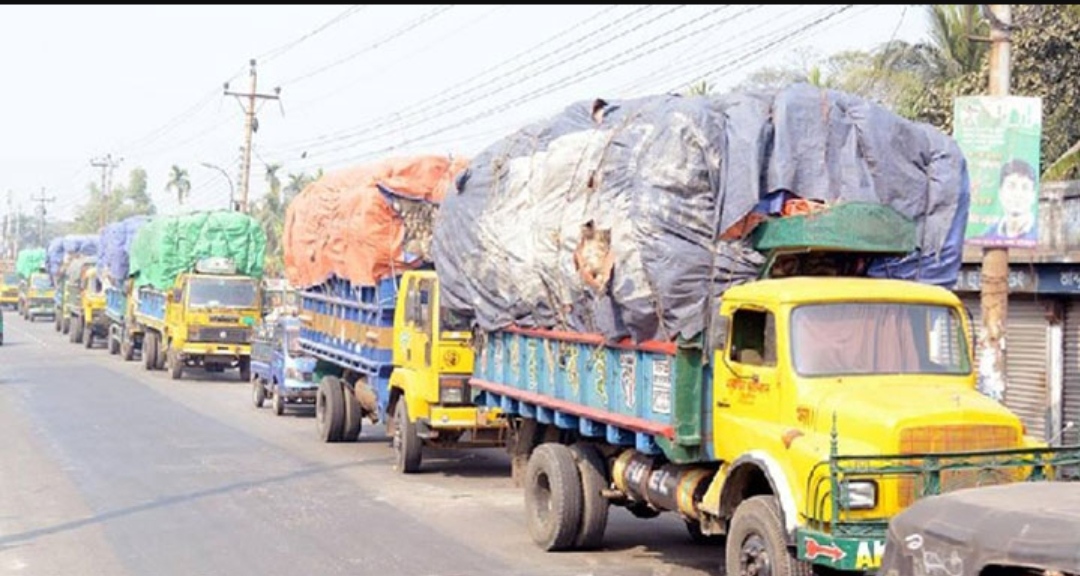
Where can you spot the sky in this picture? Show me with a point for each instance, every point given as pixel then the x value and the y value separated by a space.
pixel 144 85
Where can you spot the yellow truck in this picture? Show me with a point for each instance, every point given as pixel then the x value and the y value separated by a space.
pixel 9 287
pixel 84 304
pixel 37 296
pixel 387 353
pixel 812 411
pixel 205 320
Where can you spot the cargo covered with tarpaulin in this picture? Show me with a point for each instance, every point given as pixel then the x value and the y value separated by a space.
pixel 63 249
pixel 28 261
pixel 630 218
pixel 114 247
pixel 366 223
pixel 167 246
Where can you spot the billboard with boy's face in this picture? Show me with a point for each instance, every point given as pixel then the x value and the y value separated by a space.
pixel 1000 136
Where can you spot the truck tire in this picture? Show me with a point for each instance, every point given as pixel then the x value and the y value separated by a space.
pixel 278 403
pixel 149 350
pixel 553 497
pixel 159 353
pixel 329 409
pixel 65 325
pixel 755 539
pixel 245 369
pixel 76 330
pixel 408 450
pixel 56 322
pixel 594 511
pixel 175 365
pixel 88 337
pixel 127 347
pixel 112 343
pixel 258 393
pixel 353 415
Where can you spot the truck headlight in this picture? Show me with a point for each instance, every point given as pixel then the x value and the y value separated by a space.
pixel 859 495
pixel 452 390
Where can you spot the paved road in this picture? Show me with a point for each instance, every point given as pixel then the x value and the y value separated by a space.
pixel 107 469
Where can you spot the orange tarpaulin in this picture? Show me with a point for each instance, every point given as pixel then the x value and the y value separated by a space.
pixel 342 225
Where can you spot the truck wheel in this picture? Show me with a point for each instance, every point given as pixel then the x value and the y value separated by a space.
pixel 56 323
pixel 258 393
pixel 65 325
pixel 88 337
pixel 408 450
pixel 278 403
pixel 594 512
pixel 553 497
pixel 113 343
pixel 127 347
pixel 175 365
pixel 159 353
pixel 77 330
pixel 245 369
pixel 149 350
pixel 329 409
pixel 755 541
pixel 353 415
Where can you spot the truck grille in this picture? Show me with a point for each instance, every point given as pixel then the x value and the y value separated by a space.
pixel 225 335
pixel 955 438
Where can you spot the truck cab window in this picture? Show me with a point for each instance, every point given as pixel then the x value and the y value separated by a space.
pixel 753 338
pixel 425 294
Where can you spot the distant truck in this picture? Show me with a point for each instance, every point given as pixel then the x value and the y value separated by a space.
pixel 194 292
pixel 124 335
pixel 84 303
pixel 370 316
pixel 205 320
pixel 281 371
pixel 36 291
pixel 9 287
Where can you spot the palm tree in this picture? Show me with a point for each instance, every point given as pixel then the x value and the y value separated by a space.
pixel 952 50
pixel 273 180
pixel 178 180
pixel 699 89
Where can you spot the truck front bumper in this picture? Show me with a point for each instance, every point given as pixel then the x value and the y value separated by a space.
pixel 213 352
pixel 458 417
pixel 860 553
pixel 298 392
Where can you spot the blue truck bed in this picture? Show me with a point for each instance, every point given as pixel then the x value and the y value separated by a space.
pixel 151 304
pixel 655 397
pixel 115 304
pixel 351 327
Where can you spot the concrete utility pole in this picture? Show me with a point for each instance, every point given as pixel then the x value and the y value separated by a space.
pixel 251 125
pixel 994 292
pixel 42 200
pixel 106 164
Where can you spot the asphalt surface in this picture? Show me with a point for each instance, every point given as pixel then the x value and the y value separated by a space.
pixel 107 469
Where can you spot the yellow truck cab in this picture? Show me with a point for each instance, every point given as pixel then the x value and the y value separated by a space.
pixel 206 320
pixel 37 296
pixel 9 289
pixel 430 398
pixel 86 308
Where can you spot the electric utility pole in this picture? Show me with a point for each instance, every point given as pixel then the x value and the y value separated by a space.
pixel 106 164
pixel 42 200
pixel 994 291
pixel 251 125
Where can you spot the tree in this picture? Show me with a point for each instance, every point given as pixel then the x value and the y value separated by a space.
pixel 124 200
pixel 699 89
pixel 1045 63
pixel 178 180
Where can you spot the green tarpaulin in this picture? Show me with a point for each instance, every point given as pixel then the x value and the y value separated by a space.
pixel 29 261
pixel 847 227
pixel 169 245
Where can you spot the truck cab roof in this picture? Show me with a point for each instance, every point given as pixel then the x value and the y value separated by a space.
pixel 810 289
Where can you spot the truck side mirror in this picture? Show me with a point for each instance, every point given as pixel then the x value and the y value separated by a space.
pixel 974 332
pixel 177 294
pixel 718 331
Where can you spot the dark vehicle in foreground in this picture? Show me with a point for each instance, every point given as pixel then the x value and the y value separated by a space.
pixel 1018 529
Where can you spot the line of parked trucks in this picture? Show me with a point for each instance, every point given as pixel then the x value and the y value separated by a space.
pixel 808 402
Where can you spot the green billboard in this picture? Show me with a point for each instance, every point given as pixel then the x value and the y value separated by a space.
pixel 999 136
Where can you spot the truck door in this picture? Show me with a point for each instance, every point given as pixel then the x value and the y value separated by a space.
pixel 277 351
pixel 745 374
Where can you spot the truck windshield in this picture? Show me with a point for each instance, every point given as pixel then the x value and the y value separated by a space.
pixel 221 293
pixel 40 282
pixel 450 321
pixel 877 338
pixel 11 278
pixel 292 342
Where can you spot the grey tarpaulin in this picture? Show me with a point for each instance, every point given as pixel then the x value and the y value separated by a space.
pixel 667 174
